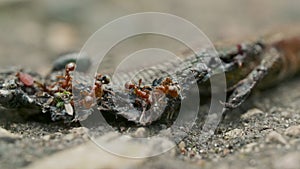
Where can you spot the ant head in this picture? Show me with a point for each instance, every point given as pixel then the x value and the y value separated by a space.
pixel 70 66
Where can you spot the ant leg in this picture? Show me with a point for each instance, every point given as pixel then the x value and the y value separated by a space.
pixel 246 86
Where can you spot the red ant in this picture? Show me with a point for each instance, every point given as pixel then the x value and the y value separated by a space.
pixel 97 90
pixel 67 82
pixel 168 87
pixel 64 84
pixel 141 92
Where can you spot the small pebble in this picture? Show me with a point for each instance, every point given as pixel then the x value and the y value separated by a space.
pixel 273 136
pixel 293 131
pixel 47 137
pixel 249 147
pixel 69 137
pixel 226 152
pixel 286 114
pixel 181 145
pixel 79 130
pixel 140 132
pixel 234 134
pixel 252 112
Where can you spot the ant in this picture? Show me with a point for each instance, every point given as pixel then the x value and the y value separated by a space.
pixel 66 83
pixel 141 92
pixel 63 85
pixel 97 90
pixel 168 87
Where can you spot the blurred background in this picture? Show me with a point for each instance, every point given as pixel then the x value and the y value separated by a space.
pixel 34 32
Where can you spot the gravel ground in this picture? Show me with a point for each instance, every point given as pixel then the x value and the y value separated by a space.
pixel 264 133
